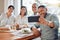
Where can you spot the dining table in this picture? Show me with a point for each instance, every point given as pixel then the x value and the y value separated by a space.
pixel 6 35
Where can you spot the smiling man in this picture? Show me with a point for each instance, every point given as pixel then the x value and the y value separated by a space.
pixel 7 18
pixel 49 24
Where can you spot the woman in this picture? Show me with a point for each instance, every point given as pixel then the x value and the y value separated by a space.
pixel 21 20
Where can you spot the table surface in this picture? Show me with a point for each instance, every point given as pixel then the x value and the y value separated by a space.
pixel 9 36
pixel 5 36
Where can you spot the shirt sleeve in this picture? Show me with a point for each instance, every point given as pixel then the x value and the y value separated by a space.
pixel 2 21
pixel 55 20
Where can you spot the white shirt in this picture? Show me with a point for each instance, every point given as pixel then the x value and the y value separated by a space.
pixel 21 21
pixel 6 21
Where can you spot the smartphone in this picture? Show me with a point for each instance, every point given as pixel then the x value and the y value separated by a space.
pixel 33 18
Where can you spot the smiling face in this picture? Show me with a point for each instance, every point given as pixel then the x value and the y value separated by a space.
pixel 10 10
pixel 42 11
pixel 23 11
pixel 34 8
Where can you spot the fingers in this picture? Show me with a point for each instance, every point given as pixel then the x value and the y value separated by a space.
pixel 42 20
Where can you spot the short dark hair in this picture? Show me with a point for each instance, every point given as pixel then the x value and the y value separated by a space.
pixel 41 6
pixel 26 10
pixel 11 6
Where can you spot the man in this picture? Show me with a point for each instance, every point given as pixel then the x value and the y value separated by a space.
pixel 34 8
pixel 7 19
pixel 49 24
pixel 34 12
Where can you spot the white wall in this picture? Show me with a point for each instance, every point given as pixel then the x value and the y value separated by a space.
pixel 1 6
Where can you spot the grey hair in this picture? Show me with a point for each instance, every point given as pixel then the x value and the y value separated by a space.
pixel 35 4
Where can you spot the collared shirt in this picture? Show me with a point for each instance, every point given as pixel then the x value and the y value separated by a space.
pixel 21 21
pixel 48 33
pixel 6 21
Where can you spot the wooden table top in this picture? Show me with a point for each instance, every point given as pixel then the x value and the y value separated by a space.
pixel 5 36
pixel 9 36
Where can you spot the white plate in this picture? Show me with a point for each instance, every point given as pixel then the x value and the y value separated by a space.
pixel 20 32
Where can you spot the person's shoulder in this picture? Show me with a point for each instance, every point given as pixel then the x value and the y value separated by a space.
pixel 53 15
pixel 30 15
pixel 12 17
pixel 49 14
pixel 17 17
pixel 3 14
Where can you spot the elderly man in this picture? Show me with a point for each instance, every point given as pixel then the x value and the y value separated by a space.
pixel 34 8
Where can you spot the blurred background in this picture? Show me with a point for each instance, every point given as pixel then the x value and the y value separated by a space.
pixel 52 5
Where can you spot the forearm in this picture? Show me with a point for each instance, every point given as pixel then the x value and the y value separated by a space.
pixel 50 24
pixel 36 32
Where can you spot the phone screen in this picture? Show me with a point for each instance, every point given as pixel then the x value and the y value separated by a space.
pixel 33 18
